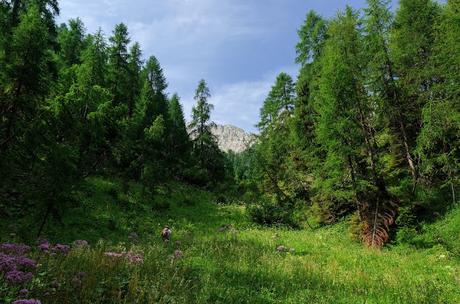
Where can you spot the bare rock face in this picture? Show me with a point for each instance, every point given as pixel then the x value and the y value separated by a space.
pixel 232 138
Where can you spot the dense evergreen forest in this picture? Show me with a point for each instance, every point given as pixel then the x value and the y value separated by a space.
pixel 363 142
pixel 75 104
pixel 371 125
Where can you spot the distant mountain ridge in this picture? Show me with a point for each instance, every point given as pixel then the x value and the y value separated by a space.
pixel 231 138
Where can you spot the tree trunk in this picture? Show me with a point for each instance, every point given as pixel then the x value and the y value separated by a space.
pixel 45 218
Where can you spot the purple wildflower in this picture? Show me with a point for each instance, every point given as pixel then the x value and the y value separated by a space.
pixel 14 249
pixel 18 277
pixel 178 254
pixel 132 257
pixel 26 262
pixel 61 248
pixel 23 293
pixel 7 263
pixel 135 258
pixel 44 246
pixel 114 254
pixel 31 301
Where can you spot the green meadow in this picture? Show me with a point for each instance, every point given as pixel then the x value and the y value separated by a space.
pixel 224 258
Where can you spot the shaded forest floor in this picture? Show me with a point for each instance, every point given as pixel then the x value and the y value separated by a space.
pixel 218 256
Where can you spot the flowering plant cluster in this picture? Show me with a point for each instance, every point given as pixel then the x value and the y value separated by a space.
pixel 46 246
pixel 14 266
pixel 31 301
pixel 17 269
pixel 14 249
pixel 132 257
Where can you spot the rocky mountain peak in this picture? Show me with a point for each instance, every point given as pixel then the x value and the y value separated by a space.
pixel 232 138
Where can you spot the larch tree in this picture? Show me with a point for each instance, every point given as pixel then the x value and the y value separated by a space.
pixel 135 64
pixel 150 124
pixel 71 41
pixel 118 65
pixel 385 91
pixel 201 124
pixel 345 131
pixel 279 100
pixel 438 143
pixel 205 148
pixel 309 49
pixel 179 143
pixel 411 42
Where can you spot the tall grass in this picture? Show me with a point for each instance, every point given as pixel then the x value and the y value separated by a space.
pixel 226 259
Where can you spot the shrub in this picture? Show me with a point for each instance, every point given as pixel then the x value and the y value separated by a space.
pixel 406 235
pixel 269 211
pixel 355 228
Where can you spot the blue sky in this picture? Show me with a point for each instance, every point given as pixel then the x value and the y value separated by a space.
pixel 238 46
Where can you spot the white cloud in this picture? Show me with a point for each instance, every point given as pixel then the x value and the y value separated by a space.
pixel 192 39
pixel 239 103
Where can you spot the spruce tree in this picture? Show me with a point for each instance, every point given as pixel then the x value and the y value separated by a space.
pixel 153 100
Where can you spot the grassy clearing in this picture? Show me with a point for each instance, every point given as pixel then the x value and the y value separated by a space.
pixel 237 265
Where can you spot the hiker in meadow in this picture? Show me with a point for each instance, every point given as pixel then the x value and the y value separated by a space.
pixel 166 234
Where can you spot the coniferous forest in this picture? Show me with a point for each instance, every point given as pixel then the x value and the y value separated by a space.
pixel 349 192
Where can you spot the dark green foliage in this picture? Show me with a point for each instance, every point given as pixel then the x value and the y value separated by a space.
pixel 270 161
pixel 374 126
pixel 73 105
pixel 438 144
pixel 179 150
pixel 312 35
pixel 135 66
pixel 205 150
pixel 280 99
pixel 370 126
pixel 25 81
pixel 118 65
pixel 71 42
